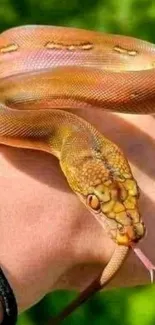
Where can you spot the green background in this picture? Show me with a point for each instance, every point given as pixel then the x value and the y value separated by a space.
pixel 130 17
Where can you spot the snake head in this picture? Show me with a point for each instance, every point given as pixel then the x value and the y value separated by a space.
pixel 115 204
pixel 102 178
pixel 112 194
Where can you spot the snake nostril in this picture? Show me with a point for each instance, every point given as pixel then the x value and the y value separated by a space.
pixel 121 229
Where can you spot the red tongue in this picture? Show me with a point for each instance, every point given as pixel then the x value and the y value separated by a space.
pixel 146 262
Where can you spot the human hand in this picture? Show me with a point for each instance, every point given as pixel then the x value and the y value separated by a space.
pixel 48 238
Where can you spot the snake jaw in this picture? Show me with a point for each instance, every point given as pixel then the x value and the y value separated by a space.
pixel 130 234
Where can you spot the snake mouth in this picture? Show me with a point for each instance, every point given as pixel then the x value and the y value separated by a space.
pixel 130 234
pixel 122 234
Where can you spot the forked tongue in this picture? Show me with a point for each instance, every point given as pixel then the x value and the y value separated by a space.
pixel 146 262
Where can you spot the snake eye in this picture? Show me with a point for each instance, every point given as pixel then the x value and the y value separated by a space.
pixel 93 202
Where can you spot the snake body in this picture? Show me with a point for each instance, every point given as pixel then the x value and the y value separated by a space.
pixel 47 70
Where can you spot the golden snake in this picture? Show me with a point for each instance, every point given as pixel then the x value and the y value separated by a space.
pixel 44 71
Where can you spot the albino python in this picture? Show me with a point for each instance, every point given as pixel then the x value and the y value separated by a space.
pixel 46 70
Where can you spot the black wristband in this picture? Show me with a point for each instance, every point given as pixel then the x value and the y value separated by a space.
pixel 8 301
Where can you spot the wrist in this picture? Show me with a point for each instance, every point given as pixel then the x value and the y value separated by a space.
pixel 8 304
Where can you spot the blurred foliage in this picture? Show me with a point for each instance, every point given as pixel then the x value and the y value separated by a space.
pixel 130 17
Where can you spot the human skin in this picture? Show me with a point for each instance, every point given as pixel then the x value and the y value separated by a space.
pixel 48 238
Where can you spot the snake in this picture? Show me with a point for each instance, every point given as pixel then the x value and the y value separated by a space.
pixel 47 70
